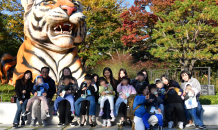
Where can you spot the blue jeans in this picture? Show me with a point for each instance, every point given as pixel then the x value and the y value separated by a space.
pixel 91 99
pixel 69 98
pixel 117 105
pixel 20 108
pixel 146 116
pixel 187 113
pixel 199 110
pixel 193 113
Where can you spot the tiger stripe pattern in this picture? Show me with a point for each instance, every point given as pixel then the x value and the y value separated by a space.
pixel 8 63
pixel 53 29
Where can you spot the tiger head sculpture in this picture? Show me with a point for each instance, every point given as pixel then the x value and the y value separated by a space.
pixel 53 29
pixel 55 24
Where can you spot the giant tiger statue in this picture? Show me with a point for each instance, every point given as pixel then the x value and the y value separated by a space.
pixel 53 29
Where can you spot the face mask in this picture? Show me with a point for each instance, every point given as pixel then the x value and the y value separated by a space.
pixel 155 92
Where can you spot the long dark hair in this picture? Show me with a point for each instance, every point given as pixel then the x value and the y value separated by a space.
pixel 125 72
pixel 73 78
pixel 29 80
pixel 185 72
pixel 147 80
pixel 93 76
pixel 170 82
pixel 112 80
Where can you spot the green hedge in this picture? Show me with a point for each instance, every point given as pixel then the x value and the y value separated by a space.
pixel 209 100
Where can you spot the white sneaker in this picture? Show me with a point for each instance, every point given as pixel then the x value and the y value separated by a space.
pixel 93 118
pixel 104 123
pixel 108 123
pixel 190 125
pixel 113 119
pixel 181 125
pixel 170 124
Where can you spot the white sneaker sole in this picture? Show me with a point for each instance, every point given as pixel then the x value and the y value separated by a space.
pixel 25 114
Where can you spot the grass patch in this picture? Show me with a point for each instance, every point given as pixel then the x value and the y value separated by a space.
pixel 6 92
pixel 209 100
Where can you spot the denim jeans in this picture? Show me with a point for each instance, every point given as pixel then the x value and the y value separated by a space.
pixel 187 113
pixel 193 113
pixel 117 105
pixel 91 99
pixel 199 110
pixel 146 116
pixel 20 108
pixel 69 98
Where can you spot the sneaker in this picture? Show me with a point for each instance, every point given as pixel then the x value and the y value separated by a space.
pixel 47 114
pixel 108 123
pixel 100 113
pixel 170 124
pixel 22 123
pixel 60 125
pixel 180 125
pixel 55 113
pixel 33 122
pixel 112 114
pixel 26 113
pixel 190 125
pixel 204 126
pixel 44 123
pixel 199 127
pixel 113 119
pixel 104 123
pixel 72 114
pixel 73 124
pixel 123 123
pixel 15 126
pixel 160 127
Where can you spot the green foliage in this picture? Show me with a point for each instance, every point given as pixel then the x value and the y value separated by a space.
pixel 6 91
pixel 9 42
pixel 102 21
pixel 188 33
pixel 209 100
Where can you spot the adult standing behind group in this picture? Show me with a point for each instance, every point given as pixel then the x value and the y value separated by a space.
pixel 49 95
pixel 23 88
pixel 185 78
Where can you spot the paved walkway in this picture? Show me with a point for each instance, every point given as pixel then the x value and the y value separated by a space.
pixel 52 127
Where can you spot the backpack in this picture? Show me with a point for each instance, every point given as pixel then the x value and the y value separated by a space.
pixel 130 111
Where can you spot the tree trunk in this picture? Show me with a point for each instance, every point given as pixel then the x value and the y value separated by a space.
pixel 187 65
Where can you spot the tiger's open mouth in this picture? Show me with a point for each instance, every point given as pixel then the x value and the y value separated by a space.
pixel 65 28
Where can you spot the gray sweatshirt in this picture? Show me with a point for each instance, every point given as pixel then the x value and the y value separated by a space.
pixel 195 84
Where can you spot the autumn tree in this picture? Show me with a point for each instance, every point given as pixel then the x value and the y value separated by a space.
pixel 187 33
pixel 102 38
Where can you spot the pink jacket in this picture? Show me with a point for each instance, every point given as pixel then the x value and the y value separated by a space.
pixel 125 89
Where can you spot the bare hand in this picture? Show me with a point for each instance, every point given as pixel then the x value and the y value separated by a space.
pixel 84 88
pixel 24 91
pixel 150 100
pixel 35 94
pixel 61 94
pixel 124 96
pixel 179 93
pixel 72 81
pixel 21 102
pixel 103 93
pixel 159 110
pixel 45 94
pixel 69 91
pixel 184 93
pixel 93 84
pixel 137 78
pixel 171 88
pixel 165 93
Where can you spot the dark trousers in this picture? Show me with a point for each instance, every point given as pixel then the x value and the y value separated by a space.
pixel 64 111
pixel 106 111
pixel 20 108
pixel 84 107
pixel 177 108
pixel 122 110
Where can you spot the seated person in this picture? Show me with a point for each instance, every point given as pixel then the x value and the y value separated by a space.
pixel 40 87
pixel 87 93
pixel 153 108
pixel 161 93
pixel 139 81
pixel 65 93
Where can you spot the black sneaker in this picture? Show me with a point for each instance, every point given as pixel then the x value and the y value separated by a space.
pixel 60 124
pixel 22 123
pixel 73 124
pixel 26 113
pixel 15 126
pixel 123 123
pixel 204 127
pixel 47 114
pixel 198 127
